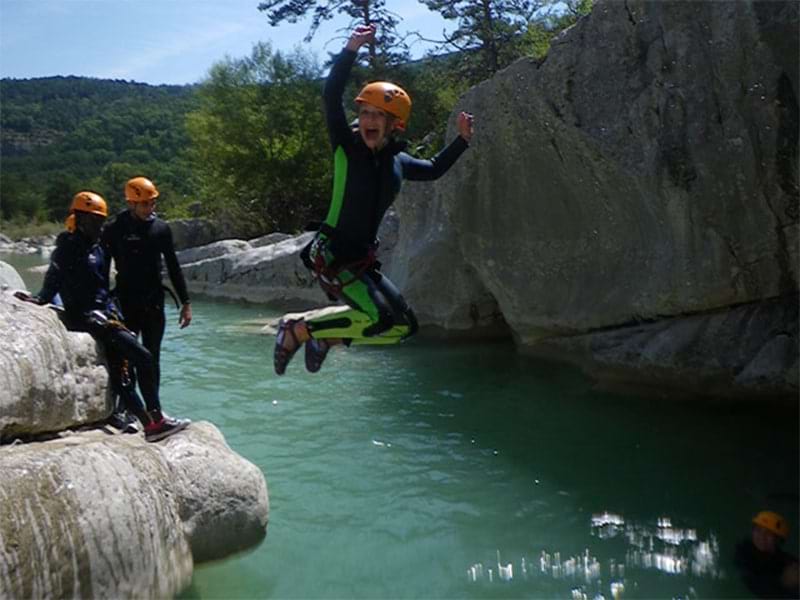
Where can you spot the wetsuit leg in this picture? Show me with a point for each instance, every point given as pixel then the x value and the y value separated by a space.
pixel 123 345
pixel 378 315
pixel 153 325
pixel 123 384
pixel 149 321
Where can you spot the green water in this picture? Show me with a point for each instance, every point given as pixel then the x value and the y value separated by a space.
pixel 402 472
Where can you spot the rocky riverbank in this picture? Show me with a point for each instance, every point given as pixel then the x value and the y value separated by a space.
pixel 29 245
pixel 86 511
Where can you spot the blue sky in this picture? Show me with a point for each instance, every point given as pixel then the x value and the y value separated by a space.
pixel 158 41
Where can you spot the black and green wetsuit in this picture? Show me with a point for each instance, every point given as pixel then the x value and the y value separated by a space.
pixel 365 184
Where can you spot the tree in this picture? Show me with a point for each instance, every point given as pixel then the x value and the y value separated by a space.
pixel 487 33
pixel 16 199
pixel 58 197
pixel 536 40
pixel 259 146
pixel 389 50
pixel 58 132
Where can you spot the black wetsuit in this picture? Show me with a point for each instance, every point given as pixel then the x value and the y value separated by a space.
pixel 78 272
pixel 365 185
pixel 137 247
pixel 762 571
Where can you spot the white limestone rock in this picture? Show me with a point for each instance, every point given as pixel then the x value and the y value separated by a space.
pixel 50 379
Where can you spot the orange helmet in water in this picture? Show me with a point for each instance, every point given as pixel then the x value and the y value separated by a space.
pixel 388 97
pixel 773 522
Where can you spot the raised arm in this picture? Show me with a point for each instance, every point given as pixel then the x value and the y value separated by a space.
pixel 338 128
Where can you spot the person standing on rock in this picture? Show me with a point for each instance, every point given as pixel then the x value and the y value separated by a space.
pixel 137 240
pixel 369 167
pixel 78 272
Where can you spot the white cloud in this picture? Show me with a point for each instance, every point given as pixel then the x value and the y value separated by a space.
pixel 157 52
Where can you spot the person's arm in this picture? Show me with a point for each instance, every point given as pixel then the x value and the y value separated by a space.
pixel 338 127
pixel 417 169
pixel 176 277
pixel 55 272
pixel 106 241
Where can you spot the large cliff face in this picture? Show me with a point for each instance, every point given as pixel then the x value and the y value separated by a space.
pixel 646 169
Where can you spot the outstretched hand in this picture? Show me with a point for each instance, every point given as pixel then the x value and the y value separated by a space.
pixel 362 34
pixel 464 124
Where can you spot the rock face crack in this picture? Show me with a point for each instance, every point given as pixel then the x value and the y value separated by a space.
pixel 556 148
pixel 787 173
pixel 631 18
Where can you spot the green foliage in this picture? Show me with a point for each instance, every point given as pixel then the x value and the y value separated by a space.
pixel 491 34
pixel 487 32
pixel 535 42
pixel 260 150
pixel 249 146
pixel 387 51
pixel 435 86
pixel 62 134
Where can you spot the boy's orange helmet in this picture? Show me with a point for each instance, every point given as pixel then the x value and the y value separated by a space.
pixel 772 522
pixel 89 202
pixel 140 189
pixel 388 97
pixel 86 202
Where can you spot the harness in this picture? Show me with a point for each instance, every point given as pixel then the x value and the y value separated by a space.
pixel 330 274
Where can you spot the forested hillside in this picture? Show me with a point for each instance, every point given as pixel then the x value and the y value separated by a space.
pixel 248 146
pixel 61 134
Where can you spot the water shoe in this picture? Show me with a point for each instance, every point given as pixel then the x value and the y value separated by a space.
pixel 316 351
pixel 283 355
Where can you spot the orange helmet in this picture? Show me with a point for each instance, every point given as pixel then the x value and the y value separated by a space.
pixel 86 202
pixel 772 522
pixel 140 189
pixel 89 202
pixel 389 97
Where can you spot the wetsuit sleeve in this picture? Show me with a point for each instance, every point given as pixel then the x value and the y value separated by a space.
pixel 417 169
pixel 173 267
pixel 106 238
pixel 55 272
pixel 338 128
